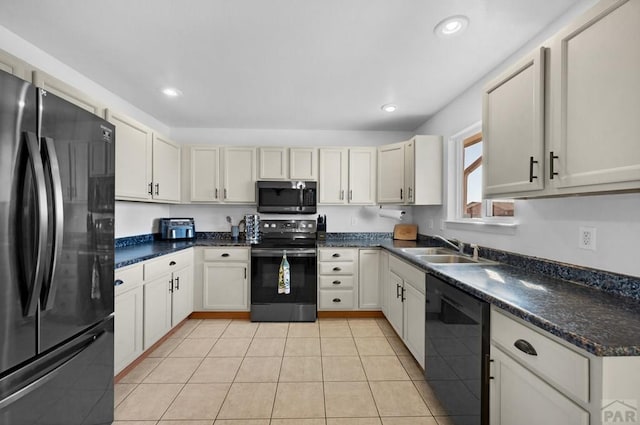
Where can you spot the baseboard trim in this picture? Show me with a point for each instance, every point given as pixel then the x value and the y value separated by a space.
pixel 220 315
pixel 360 314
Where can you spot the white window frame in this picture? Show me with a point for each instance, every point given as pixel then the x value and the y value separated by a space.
pixel 455 185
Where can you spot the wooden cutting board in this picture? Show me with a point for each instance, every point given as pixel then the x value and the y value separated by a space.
pixel 405 232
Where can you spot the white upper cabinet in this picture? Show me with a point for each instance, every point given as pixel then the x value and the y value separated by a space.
pixel 166 170
pixel 303 164
pixel 581 138
pixel 204 173
pixel 362 176
pixel 67 92
pixel 334 163
pixel 134 146
pixel 391 173
pixel 14 66
pixel 239 175
pixel 410 173
pixel 274 163
pixel 513 128
pixel 595 100
pixel 347 176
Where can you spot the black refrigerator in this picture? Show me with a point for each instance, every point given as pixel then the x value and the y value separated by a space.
pixel 56 260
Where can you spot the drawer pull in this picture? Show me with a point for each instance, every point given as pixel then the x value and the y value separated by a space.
pixel 337 300
pixel 118 282
pixel 336 282
pixel 336 255
pixel 225 254
pixel 525 347
pixel 173 263
pixel 337 269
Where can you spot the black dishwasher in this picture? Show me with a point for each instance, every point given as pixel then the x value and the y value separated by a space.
pixel 457 352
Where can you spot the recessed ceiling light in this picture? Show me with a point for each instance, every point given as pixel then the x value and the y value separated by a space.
pixel 389 107
pixel 452 25
pixel 171 92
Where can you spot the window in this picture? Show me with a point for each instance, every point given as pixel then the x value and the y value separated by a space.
pixel 467 146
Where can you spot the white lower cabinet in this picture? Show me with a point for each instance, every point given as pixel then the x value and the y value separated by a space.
pixel 369 279
pixel 224 276
pixel 337 278
pixel 128 306
pixel 168 293
pixel 406 305
pixel 520 397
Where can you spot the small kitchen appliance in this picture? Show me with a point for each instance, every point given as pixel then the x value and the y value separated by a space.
pixel 288 197
pixel 177 228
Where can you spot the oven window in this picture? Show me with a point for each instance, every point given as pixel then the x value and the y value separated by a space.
pixel 264 280
pixel 271 197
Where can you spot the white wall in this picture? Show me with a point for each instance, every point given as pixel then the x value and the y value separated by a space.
pixel 548 228
pixel 138 218
pixel 286 137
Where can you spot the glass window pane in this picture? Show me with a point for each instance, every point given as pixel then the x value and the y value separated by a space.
pixel 472 153
pixel 473 201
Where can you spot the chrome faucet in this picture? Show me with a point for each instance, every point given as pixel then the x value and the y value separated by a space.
pixel 459 247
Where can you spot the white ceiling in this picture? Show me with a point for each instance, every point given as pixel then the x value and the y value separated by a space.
pixel 309 64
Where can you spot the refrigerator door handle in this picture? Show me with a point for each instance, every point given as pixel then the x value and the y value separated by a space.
pixel 53 167
pixel 41 376
pixel 33 291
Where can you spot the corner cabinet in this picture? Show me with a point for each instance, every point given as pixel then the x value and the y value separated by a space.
pixel 369 290
pixel 410 173
pixel 147 164
pixel 563 120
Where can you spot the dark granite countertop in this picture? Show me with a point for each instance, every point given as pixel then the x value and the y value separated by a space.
pixel 598 322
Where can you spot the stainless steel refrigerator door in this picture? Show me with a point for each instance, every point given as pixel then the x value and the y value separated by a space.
pixel 71 385
pixel 20 221
pixel 78 150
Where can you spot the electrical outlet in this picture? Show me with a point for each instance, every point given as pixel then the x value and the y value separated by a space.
pixel 587 238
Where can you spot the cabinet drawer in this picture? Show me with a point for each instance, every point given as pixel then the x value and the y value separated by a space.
pixel 554 362
pixel 226 254
pixel 407 272
pixel 336 300
pixel 167 263
pixel 333 268
pixel 127 278
pixel 340 254
pixel 336 282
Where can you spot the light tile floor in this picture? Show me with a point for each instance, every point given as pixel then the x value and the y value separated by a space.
pixel 234 372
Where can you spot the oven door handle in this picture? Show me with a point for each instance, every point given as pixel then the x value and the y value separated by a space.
pixel 291 253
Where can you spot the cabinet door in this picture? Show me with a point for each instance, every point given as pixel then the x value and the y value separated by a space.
pixel 414 321
pixel 166 170
pixel 362 175
pixel 205 186
pixel 182 296
pixel 157 309
pixel 303 164
pixel 595 71
pixel 333 175
pixel 67 92
pixel 410 171
pixel 517 396
pixel 274 164
pixel 369 279
pixel 384 281
pixel 226 286
pixel 513 128
pixel 14 66
pixel 133 158
pixel 394 305
pixel 127 328
pixel 391 173
pixel 239 175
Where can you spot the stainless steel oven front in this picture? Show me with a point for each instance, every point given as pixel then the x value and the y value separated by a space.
pixel 267 305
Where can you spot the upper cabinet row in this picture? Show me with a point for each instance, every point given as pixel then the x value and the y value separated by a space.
pixel 564 120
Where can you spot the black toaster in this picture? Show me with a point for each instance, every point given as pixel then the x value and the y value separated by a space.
pixel 177 228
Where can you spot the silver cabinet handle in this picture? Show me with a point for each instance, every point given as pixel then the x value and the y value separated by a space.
pixel 525 347
pixel 177 283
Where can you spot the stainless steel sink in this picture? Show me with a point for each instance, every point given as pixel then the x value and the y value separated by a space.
pixel 428 251
pixel 447 259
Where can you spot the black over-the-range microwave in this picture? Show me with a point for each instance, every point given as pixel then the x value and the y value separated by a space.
pixel 286 197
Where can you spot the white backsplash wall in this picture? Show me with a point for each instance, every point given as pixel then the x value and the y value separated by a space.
pixel 548 228
pixel 212 218
pixel 138 218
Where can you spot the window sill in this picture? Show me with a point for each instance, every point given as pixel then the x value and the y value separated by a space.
pixel 484 225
